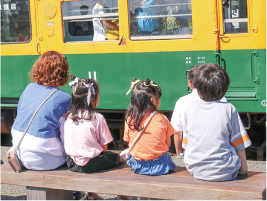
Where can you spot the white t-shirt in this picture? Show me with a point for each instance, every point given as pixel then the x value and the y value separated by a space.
pixel 83 139
pixel 177 120
pixel 99 31
pixel 179 109
pixel 37 153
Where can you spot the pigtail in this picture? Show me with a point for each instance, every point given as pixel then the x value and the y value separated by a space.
pixel 147 82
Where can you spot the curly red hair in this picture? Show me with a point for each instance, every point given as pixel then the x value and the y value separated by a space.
pixel 50 69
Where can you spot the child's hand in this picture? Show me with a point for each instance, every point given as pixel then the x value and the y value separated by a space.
pixel 244 167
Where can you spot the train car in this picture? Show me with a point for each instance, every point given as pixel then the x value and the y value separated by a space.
pixel 231 33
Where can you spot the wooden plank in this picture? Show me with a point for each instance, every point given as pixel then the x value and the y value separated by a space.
pixel 122 181
pixel 35 193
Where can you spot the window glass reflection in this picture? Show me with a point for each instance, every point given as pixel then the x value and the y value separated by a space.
pixel 160 18
pixel 90 20
pixel 235 16
pixel 15 21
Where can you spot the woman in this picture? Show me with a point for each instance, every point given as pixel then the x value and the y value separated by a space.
pixel 42 147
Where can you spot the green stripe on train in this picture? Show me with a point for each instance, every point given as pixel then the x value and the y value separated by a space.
pixel 246 68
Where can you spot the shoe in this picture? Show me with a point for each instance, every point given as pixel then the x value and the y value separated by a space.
pixel 181 155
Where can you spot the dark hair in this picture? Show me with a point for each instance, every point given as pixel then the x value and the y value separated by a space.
pixel 50 69
pixel 140 103
pixel 79 100
pixel 191 73
pixel 211 82
pixel 84 9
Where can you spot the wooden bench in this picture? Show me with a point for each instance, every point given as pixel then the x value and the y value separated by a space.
pixel 59 184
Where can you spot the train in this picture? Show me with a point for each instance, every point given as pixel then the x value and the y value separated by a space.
pixel 231 33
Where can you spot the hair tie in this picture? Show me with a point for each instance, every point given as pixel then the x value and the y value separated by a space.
pixel 90 88
pixel 151 84
pixel 132 86
pixel 75 81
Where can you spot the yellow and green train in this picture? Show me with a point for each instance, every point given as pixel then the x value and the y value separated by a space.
pixel 231 33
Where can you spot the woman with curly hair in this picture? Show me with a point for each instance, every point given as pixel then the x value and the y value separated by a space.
pixel 42 147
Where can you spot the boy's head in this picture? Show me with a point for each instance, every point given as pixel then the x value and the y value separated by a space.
pixel 190 76
pixel 211 81
pixel 84 10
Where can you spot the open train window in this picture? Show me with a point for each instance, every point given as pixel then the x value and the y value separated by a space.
pixel 90 20
pixel 15 21
pixel 235 16
pixel 160 19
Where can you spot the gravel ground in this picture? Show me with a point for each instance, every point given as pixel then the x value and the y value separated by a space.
pixel 11 192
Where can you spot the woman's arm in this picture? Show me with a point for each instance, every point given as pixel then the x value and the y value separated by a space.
pixel 244 167
pixel 105 147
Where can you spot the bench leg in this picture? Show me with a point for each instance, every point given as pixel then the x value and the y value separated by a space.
pixel 35 193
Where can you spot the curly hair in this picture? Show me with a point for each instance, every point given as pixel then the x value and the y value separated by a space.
pixel 50 69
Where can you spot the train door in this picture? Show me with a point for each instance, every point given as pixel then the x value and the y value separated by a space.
pixel 49 26
pixel 239 51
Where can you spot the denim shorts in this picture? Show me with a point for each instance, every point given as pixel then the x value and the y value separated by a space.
pixel 159 166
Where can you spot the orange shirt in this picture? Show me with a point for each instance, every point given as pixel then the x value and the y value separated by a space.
pixel 152 142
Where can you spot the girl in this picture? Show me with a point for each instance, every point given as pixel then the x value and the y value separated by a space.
pixel 86 131
pixel 149 155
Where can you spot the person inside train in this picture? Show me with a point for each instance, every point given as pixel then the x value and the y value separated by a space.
pixel 150 26
pixel 42 147
pixel 214 137
pixel 87 134
pixel 101 26
pixel 149 155
pixel 83 27
pixel 182 23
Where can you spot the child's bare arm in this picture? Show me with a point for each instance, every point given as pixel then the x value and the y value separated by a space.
pixel 105 147
pixel 244 166
pixel 168 141
pixel 178 138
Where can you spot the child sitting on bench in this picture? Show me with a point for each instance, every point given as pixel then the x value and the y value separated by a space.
pixel 149 155
pixel 214 137
pixel 87 134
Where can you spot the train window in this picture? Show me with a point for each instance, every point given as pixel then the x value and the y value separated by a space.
pixel 160 19
pixel 15 21
pixel 90 20
pixel 235 16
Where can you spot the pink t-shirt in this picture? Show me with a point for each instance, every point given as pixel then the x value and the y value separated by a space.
pixel 83 139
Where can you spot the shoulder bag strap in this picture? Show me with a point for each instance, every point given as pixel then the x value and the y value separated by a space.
pixel 32 118
pixel 139 134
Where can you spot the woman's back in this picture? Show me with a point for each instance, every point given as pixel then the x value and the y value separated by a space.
pixel 41 148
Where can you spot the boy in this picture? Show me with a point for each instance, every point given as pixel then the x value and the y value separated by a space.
pixel 214 136
pixel 179 110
